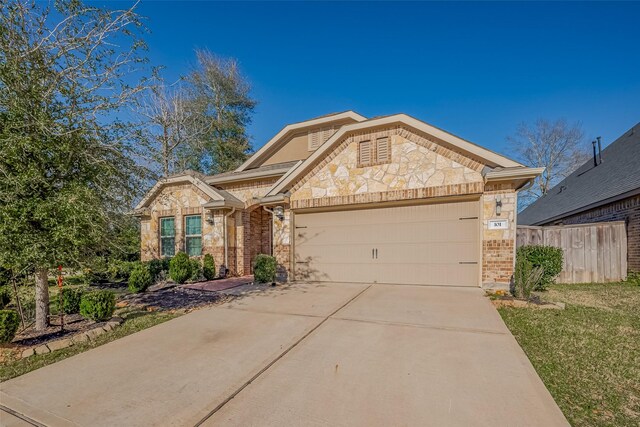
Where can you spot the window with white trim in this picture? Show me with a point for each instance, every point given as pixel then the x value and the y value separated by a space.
pixel 193 235
pixel 167 237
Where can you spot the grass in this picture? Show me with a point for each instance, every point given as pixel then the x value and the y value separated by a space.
pixel 134 321
pixel 588 355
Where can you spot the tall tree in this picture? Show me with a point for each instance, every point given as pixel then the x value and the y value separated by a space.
pixel 557 146
pixel 172 126
pixel 222 94
pixel 66 161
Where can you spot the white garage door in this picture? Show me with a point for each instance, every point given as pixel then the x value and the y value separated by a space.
pixel 435 244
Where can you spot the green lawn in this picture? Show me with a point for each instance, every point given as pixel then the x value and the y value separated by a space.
pixel 588 355
pixel 134 321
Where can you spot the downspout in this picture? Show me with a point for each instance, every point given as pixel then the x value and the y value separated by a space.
pixel 273 229
pixel 226 238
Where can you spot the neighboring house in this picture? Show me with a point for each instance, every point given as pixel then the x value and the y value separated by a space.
pixel 606 188
pixel 349 199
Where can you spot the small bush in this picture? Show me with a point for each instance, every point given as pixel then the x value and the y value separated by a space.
pixel 548 258
pixel 264 269
pixel 158 266
pixel 180 268
pixel 5 296
pixel 71 298
pixel 119 271
pixel 98 305
pixel 526 278
pixel 196 270
pixel 634 278
pixel 9 322
pixel 209 267
pixel 140 278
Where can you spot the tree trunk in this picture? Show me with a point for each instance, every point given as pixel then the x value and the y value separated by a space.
pixel 42 299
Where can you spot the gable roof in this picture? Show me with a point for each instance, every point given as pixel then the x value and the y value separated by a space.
pixel 268 171
pixel 492 159
pixel 266 149
pixel 195 178
pixel 618 176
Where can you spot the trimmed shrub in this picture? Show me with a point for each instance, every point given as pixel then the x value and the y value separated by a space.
pixel 208 267
pixel 180 268
pixel 157 266
pixel 71 300
pixel 140 278
pixel 196 270
pixel 5 297
pixel 634 278
pixel 548 258
pixel 9 322
pixel 98 305
pixel 264 268
pixel 119 271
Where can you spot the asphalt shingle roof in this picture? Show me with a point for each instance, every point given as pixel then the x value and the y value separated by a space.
pixel 619 173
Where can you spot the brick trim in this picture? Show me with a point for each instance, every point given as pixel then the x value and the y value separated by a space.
pixel 390 196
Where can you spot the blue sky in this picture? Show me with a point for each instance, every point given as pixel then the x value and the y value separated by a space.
pixel 474 69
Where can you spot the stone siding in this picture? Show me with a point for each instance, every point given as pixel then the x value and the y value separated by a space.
pixel 250 190
pixel 627 210
pixel 416 164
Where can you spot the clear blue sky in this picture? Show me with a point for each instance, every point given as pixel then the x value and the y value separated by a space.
pixel 474 69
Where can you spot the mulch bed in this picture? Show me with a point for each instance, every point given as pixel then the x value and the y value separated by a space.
pixel 73 323
pixel 174 298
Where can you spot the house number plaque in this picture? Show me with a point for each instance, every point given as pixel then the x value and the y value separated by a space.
pixel 498 224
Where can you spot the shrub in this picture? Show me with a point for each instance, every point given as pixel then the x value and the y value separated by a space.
pixel 208 267
pixel 98 305
pixel 157 266
pixel 196 270
pixel 634 278
pixel 119 271
pixel 140 278
pixel 180 268
pixel 264 268
pixel 5 297
pixel 9 322
pixel 526 278
pixel 548 258
pixel 70 300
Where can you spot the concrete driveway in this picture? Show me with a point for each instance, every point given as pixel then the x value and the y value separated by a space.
pixel 304 354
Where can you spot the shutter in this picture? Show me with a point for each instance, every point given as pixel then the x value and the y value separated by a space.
pixel 382 150
pixel 364 151
pixel 314 140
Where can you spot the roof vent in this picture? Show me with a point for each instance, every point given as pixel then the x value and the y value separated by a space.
pixel 597 159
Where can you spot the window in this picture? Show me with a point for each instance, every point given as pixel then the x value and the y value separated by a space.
pixel 167 237
pixel 364 153
pixel 383 150
pixel 193 235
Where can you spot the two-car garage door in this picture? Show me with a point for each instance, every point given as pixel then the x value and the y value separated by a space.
pixel 434 244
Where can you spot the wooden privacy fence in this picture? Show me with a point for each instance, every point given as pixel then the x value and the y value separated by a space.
pixel 594 252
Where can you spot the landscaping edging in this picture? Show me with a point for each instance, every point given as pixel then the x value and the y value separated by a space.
pixel 74 339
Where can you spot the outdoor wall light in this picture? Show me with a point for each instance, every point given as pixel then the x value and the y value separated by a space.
pixel 498 206
pixel 278 211
pixel 209 218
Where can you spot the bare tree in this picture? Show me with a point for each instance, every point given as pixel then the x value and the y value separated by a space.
pixel 557 146
pixel 172 125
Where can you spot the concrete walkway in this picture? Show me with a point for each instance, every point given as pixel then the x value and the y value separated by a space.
pixel 304 354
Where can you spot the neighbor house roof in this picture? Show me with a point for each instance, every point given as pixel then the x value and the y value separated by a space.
pixel 617 177
pixel 492 159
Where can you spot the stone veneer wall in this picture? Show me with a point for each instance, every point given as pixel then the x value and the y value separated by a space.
pixel 246 191
pixel 178 201
pixel 282 245
pixel 624 210
pixel 498 246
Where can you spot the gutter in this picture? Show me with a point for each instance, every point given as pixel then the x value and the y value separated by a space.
pixel 221 204
pixel 275 199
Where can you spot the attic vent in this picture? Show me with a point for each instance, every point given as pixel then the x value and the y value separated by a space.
pixel 382 150
pixel 317 137
pixel 364 153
